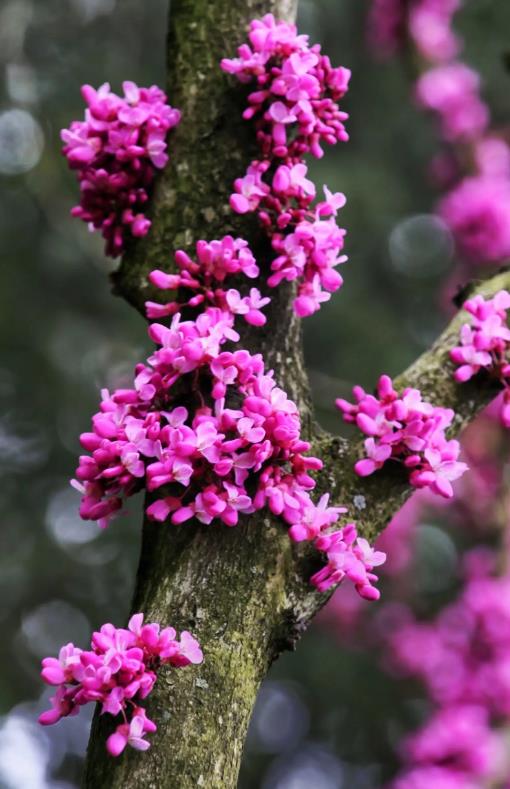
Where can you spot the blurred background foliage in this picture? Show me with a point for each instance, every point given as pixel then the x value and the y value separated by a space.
pixel 328 716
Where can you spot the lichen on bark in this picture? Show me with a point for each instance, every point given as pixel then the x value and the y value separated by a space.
pixel 243 592
pixel 239 590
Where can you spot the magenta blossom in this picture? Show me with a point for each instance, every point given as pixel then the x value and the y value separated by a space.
pixel 430 27
pixel 131 733
pixel 461 657
pixel 200 282
pixel 115 152
pixel 478 213
pixel 386 27
pixel 452 91
pixel 207 461
pixel 484 343
pixel 118 671
pixel 295 110
pixel 294 84
pixel 405 428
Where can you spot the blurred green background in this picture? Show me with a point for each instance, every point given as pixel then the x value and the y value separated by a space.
pixel 326 718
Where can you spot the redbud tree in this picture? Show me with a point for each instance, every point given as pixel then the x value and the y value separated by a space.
pixel 226 247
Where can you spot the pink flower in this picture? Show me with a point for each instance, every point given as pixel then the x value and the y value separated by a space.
pixel 118 672
pixel 201 281
pixel 351 557
pixel 312 519
pixel 188 652
pixel 452 91
pixel 468 357
pixel 377 455
pixel 430 25
pixel 115 152
pixel 406 429
pixel 443 468
pixel 460 658
pixel 370 557
pixel 291 180
pixel 55 672
pixel 484 343
pixel 132 734
pixel 386 26
pixel 250 190
pixel 62 705
pixel 295 109
pixel 478 213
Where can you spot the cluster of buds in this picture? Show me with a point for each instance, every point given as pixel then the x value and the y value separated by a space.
pixel 404 428
pixel 297 90
pixel 461 658
pixel 235 450
pixel 484 344
pixel 216 260
pixel 477 210
pixel 118 672
pixel 428 23
pixel 453 93
pixel 115 152
pixel 295 110
pixel 475 168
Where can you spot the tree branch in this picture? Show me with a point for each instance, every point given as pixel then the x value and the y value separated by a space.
pixel 373 501
pixel 244 592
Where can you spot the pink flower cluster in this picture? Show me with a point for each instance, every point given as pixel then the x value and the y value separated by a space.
pixel 427 22
pixel 484 343
pixel 227 453
pixel 455 749
pixel 453 92
pixel 118 672
pixel 115 152
pixel 295 84
pixel 477 209
pixel 386 26
pixel 462 657
pixel 430 27
pixel 348 556
pixel 216 260
pixel 404 428
pixel 128 433
pixel 295 107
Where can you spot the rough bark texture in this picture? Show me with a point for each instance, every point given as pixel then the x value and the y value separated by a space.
pixel 243 592
pixel 239 590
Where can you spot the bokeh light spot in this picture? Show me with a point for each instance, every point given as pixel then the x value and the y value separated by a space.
pixel 21 142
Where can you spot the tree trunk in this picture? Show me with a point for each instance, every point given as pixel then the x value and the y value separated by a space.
pixel 240 590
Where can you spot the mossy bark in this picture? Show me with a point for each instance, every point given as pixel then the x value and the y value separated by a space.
pixel 240 591
pixel 244 592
